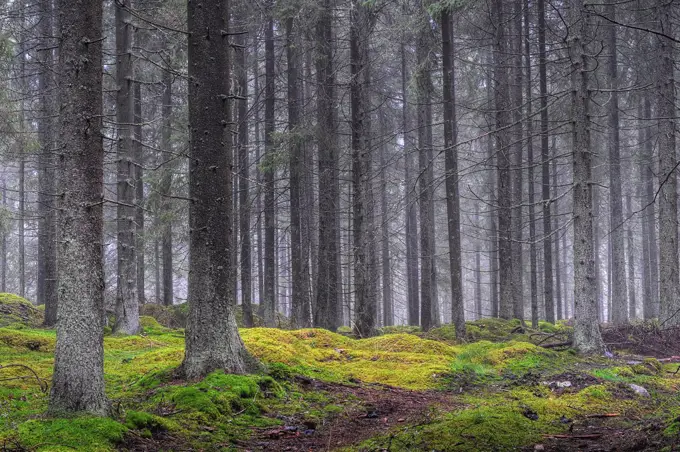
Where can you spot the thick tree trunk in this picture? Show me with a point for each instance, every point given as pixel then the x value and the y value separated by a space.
pixel 632 299
pixel 668 197
pixel 127 309
pixel 518 163
pixel 587 337
pixel 451 165
pixel 326 310
pixel 212 338
pixel 78 379
pixel 619 314
pixel 545 169
pixel 258 177
pixel 559 294
pixel 365 304
pixel 650 305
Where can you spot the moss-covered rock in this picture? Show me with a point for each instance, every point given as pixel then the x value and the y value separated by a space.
pixel 17 311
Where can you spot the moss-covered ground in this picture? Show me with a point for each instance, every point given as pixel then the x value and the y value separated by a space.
pixel 497 390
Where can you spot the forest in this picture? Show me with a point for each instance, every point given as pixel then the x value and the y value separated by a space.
pixel 353 225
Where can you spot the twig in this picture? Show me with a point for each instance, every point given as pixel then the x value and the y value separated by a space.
pixel 603 415
pixel 41 383
pixel 557 344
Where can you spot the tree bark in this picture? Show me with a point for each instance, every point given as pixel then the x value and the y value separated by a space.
pixel 503 155
pixel 299 261
pixel 78 379
pixel 127 309
pixel 365 303
pixel 668 198
pixel 632 299
pixel 451 179
pixel 212 339
pixel 326 309
pixel 139 194
pixel 270 288
pixel 545 169
pixel 587 337
pixel 387 297
pixel 166 191
pixel 619 313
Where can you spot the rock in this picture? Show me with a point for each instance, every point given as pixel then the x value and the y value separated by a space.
pixel 539 447
pixel 639 390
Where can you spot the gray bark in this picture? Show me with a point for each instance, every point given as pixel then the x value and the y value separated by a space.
pixel 270 287
pixel 545 169
pixel 632 299
pixel 451 179
pixel 127 309
pixel 78 379
pixel 166 191
pixel 138 147
pixel 212 339
pixel 587 337
pixel 668 198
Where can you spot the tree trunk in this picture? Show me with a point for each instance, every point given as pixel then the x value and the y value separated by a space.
pixel 365 305
pixel 127 309
pixel 503 155
pixel 545 169
pixel 587 337
pixel 212 338
pixel 632 299
pixel 619 314
pixel 22 216
pixel 166 191
pixel 78 379
pixel 668 198
pixel 649 238
pixel 388 302
pixel 517 162
pixel 269 300
pixel 530 163
pixel 451 165
pixel 411 220
pixel 299 261
pixel 139 194
pixel 326 309
pixel 559 294
pixel 3 244
pixel 425 166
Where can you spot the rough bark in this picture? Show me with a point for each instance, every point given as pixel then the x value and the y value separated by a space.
pixel 365 304
pixel 451 178
pixel 127 309
pixel 587 337
pixel 166 191
pixel 387 298
pixel 212 339
pixel 503 156
pixel 270 287
pixel 632 299
pixel 78 379
pixel 560 295
pixel 668 199
pixel 649 236
pixel 545 168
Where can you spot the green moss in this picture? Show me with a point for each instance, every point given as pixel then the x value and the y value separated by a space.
pixel 39 341
pixel 17 311
pixel 80 433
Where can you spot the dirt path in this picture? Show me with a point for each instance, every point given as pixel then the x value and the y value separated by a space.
pixel 375 409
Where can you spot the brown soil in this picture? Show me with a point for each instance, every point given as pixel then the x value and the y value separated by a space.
pixel 643 339
pixel 377 410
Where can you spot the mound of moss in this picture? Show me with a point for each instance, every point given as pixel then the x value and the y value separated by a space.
pixel 17 311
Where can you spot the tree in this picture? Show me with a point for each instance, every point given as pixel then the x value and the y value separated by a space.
pixel 668 199
pixel 326 310
pixel 451 163
pixel 587 337
pixel 78 379
pixel 212 339
pixel 127 309
pixel 361 24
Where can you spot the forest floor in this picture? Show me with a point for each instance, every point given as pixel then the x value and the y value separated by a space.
pixel 501 389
